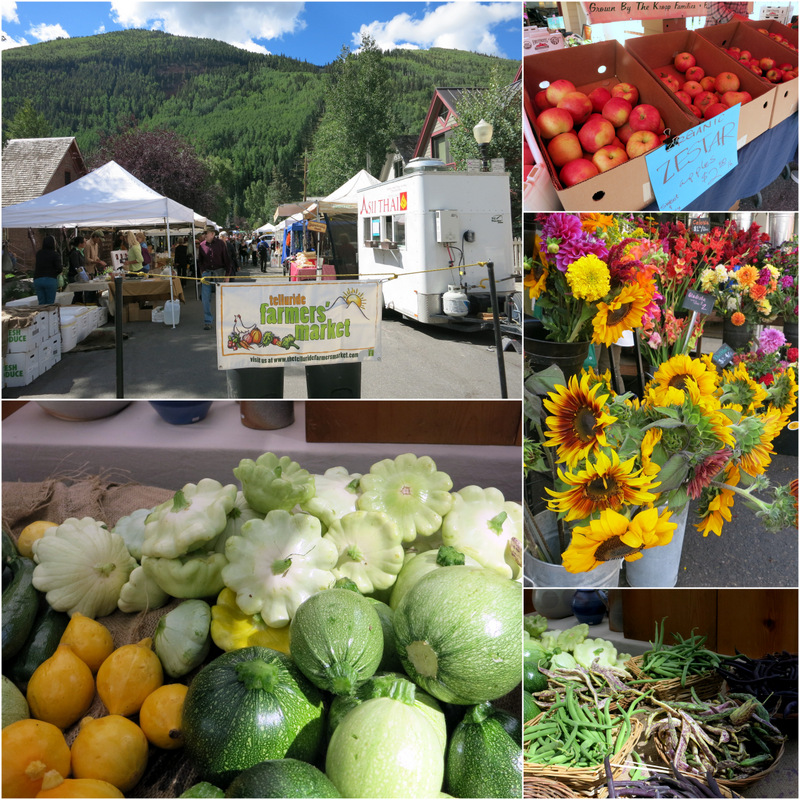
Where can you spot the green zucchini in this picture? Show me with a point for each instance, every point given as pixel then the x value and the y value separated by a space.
pixel 20 603
pixel 10 552
pixel 530 708
pixel 390 661
pixel 247 706
pixel 337 640
pixel 285 777
pixel 48 628
pixel 14 706
pixel 482 759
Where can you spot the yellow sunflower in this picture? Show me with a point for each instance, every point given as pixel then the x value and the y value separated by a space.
pixel 757 450
pixel 650 439
pixel 623 313
pixel 589 278
pixel 605 484
pixel 614 536
pixel 717 510
pixel 783 395
pixel 579 419
pixel 536 279
pixel 739 388
pixel 675 373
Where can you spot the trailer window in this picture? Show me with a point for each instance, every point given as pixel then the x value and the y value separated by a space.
pixel 399 237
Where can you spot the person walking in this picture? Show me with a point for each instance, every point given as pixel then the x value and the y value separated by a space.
pixel 213 262
pixel 232 254
pixel 46 271
pixel 181 259
pixel 263 251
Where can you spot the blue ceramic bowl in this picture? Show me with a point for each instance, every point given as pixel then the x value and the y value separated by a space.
pixel 181 412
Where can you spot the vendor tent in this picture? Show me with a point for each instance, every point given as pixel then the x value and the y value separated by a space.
pixel 108 196
pixel 345 198
pixel 268 228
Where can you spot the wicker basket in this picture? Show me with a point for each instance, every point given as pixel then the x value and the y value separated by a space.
pixel 734 785
pixel 543 787
pixel 706 684
pixel 584 781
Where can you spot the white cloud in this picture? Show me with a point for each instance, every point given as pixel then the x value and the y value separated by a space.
pixel 8 10
pixel 7 41
pixel 101 29
pixel 459 25
pixel 238 24
pixel 45 33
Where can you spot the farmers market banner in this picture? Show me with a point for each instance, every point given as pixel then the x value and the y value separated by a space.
pixel 308 323
pixel 598 12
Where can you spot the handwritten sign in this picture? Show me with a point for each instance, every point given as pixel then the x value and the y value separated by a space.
pixel 700 225
pixel 273 324
pixel 614 12
pixel 317 227
pixel 723 356
pixel 683 169
pixel 697 301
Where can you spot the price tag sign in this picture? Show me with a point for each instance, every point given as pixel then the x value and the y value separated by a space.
pixel 474 165
pixel 697 301
pixel 498 164
pixel 700 225
pixel 723 356
pixel 684 168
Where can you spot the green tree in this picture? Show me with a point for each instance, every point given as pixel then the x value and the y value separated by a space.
pixel 500 104
pixel 262 198
pixel 358 124
pixel 28 123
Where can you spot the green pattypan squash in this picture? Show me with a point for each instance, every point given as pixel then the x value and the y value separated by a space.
pixel 141 593
pixel 270 483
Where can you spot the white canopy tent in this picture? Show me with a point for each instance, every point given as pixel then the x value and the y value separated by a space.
pixel 108 196
pixel 268 228
pixel 345 198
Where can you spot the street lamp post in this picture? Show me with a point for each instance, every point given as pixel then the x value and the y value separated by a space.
pixel 483 135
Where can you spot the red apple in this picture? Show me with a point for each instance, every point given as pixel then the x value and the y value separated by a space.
pixel 645 117
pixel 683 61
pixel 726 82
pixel 694 74
pixel 692 88
pixel 627 91
pixel 705 99
pixel 616 142
pixel 553 121
pixel 608 157
pixel 596 133
pixel 671 82
pixel 746 55
pixel 581 169
pixel 642 142
pixel 787 67
pixel 683 97
pixel 696 111
pixel 774 75
pixel 734 51
pixel 708 82
pixel 756 71
pixel 714 109
pixel 599 97
pixel 541 102
pixel 617 111
pixel 624 132
pixel 564 148
pixel 578 104
pixel 732 98
pixel 557 89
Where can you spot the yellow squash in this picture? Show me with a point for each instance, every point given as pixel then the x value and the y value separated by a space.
pixel 61 688
pixel 54 785
pixel 31 748
pixel 160 716
pixel 127 676
pixel 91 640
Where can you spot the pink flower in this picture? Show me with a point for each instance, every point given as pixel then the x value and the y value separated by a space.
pixel 706 472
pixel 655 340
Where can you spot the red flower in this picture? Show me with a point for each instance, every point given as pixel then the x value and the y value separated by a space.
pixel 768 379
pixel 792 353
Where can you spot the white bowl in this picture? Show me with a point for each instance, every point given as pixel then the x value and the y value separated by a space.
pixel 82 410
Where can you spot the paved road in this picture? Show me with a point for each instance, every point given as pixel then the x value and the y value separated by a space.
pixel 162 362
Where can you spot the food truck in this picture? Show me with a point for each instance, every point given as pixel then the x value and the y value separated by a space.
pixel 430 228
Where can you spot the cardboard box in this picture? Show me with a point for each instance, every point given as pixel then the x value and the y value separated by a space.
pixel 69 335
pixel 657 52
pixel 20 369
pixel 774 27
pixel 541 40
pixel 24 340
pixel 137 314
pixel 589 66
pixel 734 34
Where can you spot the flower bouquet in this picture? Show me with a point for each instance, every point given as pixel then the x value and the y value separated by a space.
pixel 624 468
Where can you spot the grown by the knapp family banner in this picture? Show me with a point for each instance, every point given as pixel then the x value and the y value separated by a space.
pixel 294 322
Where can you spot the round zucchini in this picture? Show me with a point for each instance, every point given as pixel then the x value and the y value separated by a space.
pixel 285 777
pixel 390 661
pixel 482 759
pixel 247 706
pixel 458 634
pixel 337 640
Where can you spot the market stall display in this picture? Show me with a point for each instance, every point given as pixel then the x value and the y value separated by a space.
pixel 213 577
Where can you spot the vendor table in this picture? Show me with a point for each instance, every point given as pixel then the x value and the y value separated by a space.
pixel 310 273
pixel 154 289
pixel 760 163
pixel 137 445
pixel 97 285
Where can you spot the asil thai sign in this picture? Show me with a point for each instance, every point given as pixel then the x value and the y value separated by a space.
pixel 275 324
pixel 394 203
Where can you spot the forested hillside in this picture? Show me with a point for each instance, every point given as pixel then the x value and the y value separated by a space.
pixel 254 112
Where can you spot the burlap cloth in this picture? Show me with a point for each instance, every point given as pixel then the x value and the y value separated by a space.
pixel 106 498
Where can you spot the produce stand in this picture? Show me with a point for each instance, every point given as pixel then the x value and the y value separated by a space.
pixel 150 289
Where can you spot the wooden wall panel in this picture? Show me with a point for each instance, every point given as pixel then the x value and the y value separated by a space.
pixel 757 621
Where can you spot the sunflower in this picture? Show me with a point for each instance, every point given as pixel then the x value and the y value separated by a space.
pixel 739 388
pixel 605 484
pixel 579 420
pixel 716 503
pixel 783 395
pixel 650 439
pixel 756 444
pixel 589 278
pixel 675 373
pixel 623 313
pixel 614 536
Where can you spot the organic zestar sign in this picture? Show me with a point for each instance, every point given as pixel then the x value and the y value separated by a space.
pixel 274 324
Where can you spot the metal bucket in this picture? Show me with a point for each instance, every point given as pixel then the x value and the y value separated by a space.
pixel 569 356
pixel 660 566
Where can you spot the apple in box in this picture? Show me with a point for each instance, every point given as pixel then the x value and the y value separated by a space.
pixel 541 102
pixel 596 133
pixel 642 142
pixel 599 97
pixel 578 105
pixel 616 111
pixel 609 156
pixel 684 61
pixel 564 148
pixel 726 82
pixel 581 169
pixel 695 74
pixel 645 118
pixel 732 98
pixel 553 121
pixel 557 89
pixel 627 91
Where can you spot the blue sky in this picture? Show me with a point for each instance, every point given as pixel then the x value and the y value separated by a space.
pixel 313 31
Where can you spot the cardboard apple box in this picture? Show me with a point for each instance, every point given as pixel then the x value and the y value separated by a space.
pixel 773 26
pixel 735 34
pixel 657 52
pixel 541 40
pixel 605 64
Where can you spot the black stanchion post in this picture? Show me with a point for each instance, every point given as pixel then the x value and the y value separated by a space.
pixel 498 339
pixel 118 306
pixel 255 383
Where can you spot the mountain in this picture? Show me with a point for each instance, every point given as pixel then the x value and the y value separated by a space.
pixel 256 111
